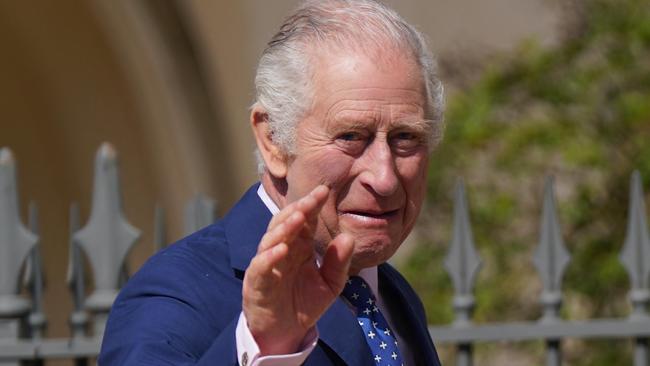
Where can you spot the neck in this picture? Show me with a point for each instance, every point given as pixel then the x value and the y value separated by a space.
pixel 276 189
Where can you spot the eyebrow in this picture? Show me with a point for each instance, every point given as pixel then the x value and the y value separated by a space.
pixel 419 125
pixel 422 125
pixel 345 121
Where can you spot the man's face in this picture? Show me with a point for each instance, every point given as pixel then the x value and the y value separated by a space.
pixel 365 138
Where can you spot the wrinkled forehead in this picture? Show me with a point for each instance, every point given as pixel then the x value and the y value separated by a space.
pixel 385 74
pixel 384 52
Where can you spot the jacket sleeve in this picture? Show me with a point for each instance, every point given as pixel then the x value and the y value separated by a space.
pixel 180 309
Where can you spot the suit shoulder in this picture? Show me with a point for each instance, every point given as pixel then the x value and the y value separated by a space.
pixel 183 296
pixel 195 270
pixel 202 250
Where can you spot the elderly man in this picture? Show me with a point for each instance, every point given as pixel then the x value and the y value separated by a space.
pixel 347 112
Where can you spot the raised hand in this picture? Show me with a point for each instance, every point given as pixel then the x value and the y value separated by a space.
pixel 285 292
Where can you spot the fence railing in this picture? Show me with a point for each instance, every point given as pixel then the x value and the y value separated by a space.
pixel 107 238
pixel 550 259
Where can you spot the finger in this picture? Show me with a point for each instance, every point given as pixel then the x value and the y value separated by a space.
pixel 283 232
pixel 319 195
pixel 309 205
pixel 260 273
pixel 336 262
pixel 283 215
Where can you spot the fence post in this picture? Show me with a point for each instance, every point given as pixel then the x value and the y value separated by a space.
pixel 159 237
pixel 76 282
pixel 34 282
pixel 635 256
pixel 16 242
pixel 34 279
pixel 199 213
pixel 107 237
pixel 75 277
pixel 551 259
pixel 462 264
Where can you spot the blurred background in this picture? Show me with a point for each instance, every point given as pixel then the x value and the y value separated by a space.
pixel 534 87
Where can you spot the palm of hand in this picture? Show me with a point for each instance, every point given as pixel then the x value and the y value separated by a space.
pixel 285 292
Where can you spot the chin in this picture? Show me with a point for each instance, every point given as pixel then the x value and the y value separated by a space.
pixel 372 251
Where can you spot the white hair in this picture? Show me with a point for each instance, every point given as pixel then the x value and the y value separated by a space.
pixel 283 81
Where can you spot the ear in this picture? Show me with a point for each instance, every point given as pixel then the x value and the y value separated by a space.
pixel 274 158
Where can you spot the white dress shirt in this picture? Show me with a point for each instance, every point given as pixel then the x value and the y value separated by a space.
pixel 248 352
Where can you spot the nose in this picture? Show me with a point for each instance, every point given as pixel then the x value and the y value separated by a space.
pixel 380 173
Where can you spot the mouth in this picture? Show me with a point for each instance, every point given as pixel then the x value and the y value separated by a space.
pixel 370 217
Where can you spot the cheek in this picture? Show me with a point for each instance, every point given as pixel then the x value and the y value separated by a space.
pixel 329 167
pixel 413 171
pixel 414 176
pixel 324 166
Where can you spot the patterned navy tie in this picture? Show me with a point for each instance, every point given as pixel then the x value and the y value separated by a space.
pixel 380 338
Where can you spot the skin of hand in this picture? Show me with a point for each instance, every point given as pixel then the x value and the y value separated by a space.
pixel 284 291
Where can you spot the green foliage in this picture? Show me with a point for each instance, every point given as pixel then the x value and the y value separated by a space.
pixel 579 111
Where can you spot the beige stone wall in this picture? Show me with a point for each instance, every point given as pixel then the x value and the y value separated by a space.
pixel 168 83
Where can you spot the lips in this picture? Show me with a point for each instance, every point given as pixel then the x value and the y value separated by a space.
pixel 370 217
pixel 373 214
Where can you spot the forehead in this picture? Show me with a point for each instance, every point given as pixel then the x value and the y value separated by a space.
pixel 339 70
pixel 356 84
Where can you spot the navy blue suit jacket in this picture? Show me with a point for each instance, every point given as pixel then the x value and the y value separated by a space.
pixel 182 306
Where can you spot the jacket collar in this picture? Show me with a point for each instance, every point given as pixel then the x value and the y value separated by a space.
pixel 244 225
pixel 339 330
pixel 408 314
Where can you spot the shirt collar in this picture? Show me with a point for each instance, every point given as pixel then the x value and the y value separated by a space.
pixel 268 202
pixel 370 276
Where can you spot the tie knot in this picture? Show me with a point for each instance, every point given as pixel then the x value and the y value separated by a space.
pixel 358 292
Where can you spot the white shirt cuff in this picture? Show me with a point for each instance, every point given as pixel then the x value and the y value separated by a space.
pixel 248 352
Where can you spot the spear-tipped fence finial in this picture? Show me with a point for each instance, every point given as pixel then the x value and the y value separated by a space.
pixel 551 256
pixel 199 212
pixel 551 259
pixel 107 237
pixel 462 262
pixel 635 255
pixel 16 241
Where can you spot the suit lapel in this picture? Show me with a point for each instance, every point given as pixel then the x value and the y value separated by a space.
pixel 339 330
pixel 406 312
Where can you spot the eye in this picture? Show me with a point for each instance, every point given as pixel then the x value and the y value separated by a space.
pixel 350 136
pixel 406 141
pixel 352 142
pixel 406 136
